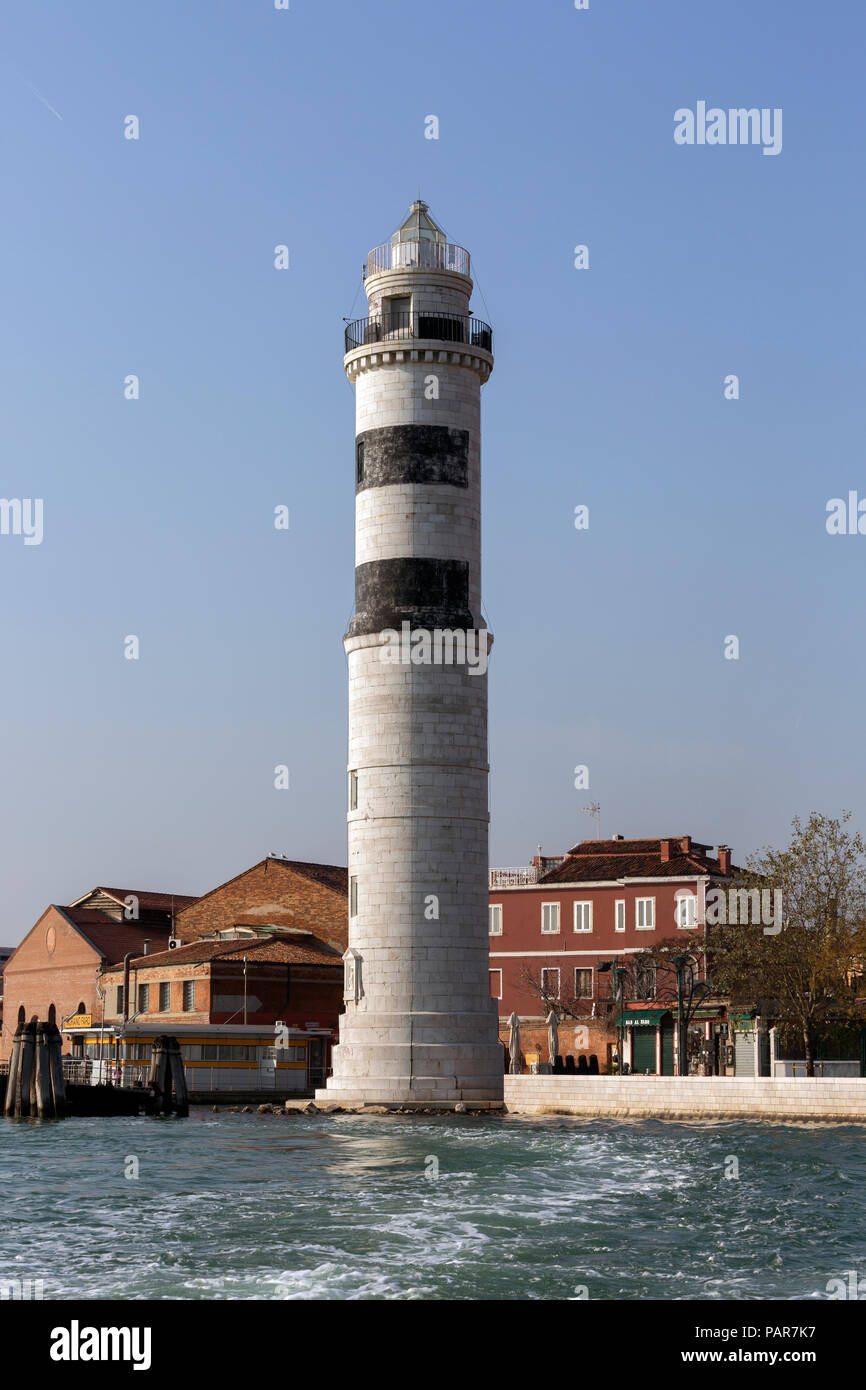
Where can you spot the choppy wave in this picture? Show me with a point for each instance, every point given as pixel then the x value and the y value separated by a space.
pixel 258 1207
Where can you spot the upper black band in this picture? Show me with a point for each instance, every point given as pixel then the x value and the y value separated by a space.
pixel 414 454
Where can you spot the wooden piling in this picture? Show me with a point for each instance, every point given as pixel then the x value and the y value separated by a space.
pixel 160 1080
pixel 55 1067
pixel 181 1102
pixel 42 1075
pixel 25 1069
pixel 12 1077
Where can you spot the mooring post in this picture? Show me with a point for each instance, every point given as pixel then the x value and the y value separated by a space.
pixel 12 1078
pixel 42 1074
pixel 181 1102
pixel 55 1068
pixel 160 1084
pixel 25 1069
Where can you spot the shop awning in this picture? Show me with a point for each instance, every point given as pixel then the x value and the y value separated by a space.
pixel 642 1018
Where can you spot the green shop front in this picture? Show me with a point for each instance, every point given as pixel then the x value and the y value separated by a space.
pixel 648 1041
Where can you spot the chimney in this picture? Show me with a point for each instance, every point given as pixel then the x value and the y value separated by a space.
pixel 665 850
pixel 724 859
pixel 147 947
pixel 686 844
pixel 616 837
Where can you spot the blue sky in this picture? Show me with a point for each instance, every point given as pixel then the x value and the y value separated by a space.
pixel 707 516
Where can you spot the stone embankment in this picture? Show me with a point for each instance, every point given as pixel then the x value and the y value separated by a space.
pixel 311 1107
pixel 842 1099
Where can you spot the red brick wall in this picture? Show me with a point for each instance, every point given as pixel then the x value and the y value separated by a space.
pixel 37 977
pixel 271 893
pixel 598 1038
pixel 522 934
pixel 311 994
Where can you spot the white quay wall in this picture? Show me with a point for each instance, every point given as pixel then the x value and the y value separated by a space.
pixel 692 1097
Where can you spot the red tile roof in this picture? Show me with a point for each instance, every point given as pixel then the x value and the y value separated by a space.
pixel 112 939
pixel 605 860
pixel 329 875
pixel 307 950
pixel 157 902
pixel 596 847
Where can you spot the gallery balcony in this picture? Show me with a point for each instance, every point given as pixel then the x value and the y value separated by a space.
pixel 395 328
pixel 422 254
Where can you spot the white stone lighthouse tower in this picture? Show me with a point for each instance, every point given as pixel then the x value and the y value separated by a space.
pixel 420 1026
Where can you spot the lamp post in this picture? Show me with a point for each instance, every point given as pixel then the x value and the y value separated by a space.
pixel 701 990
pixel 618 980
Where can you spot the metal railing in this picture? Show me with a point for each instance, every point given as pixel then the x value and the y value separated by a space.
pixel 513 878
pixel 829 1069
pixel 420 255
pixel 395 328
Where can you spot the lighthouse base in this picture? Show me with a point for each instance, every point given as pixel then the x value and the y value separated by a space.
pixel 368 1071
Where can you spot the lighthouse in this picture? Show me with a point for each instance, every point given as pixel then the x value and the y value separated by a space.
pixel 419 1025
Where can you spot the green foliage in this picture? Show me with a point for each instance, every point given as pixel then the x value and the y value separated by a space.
pixel 804 974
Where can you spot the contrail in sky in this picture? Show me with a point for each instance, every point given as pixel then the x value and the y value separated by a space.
pixel 44 102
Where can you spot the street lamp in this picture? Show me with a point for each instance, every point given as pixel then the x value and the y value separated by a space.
pixel 701 989
pixel 618 977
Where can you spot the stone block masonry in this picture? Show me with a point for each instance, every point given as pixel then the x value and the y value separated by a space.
pixel 419 1025
pixel 842 1100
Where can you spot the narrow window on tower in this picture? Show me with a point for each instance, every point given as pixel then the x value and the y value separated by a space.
pixel 353 897
pixel 353 791
pixel 359 460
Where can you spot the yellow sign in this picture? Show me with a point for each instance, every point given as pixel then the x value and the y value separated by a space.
pixel 79 1021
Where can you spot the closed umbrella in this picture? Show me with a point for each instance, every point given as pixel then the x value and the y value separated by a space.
pixel 514 1044
pixel 552 1036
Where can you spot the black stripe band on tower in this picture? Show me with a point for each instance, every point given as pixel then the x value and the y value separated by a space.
pixel 426 593
pixel 412 454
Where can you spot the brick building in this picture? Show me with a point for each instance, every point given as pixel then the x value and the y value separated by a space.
pixel 277 895
pixel 554 924
pixel 222 999
pixel 55 972
pixel 58 970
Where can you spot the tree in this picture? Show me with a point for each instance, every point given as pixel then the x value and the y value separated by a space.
pixel 802 972
pixel 543 984
pixel 672 971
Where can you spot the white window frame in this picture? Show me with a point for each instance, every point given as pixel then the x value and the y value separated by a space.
pixel 555 915
pixel 647 926
pixel 583 903
pixel 552 970
pixel 494 970
pixel 591 994
pixel 689 901
pixel 353 896
pixel 494 921
pixel 619 903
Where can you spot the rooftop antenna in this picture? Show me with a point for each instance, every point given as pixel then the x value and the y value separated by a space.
pixel 594 809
